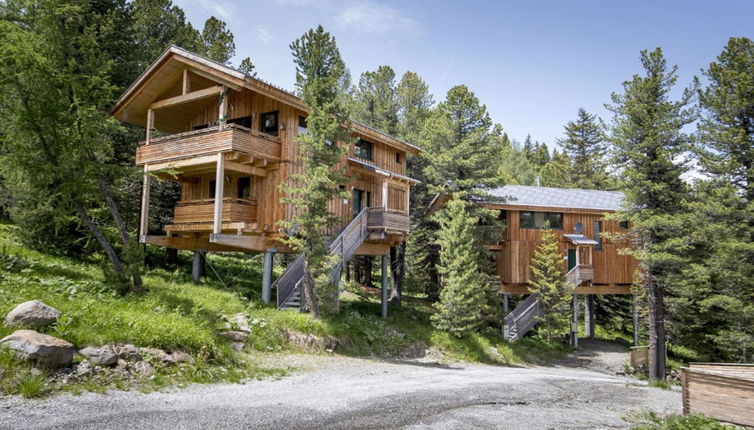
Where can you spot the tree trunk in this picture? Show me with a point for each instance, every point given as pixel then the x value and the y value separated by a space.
pixel 104 243
pixel 398 269
pixel 122 230
pixel 433 288
pixel 656 330
pixel 311 299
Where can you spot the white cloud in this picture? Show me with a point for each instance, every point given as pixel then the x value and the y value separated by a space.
pixel 264 35
pixel 368 17
pixel 223 10
pixel 294 2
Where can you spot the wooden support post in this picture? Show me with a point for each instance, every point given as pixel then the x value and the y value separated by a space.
pixel 384 194
pixel 197 267
pixel 267 275
pixel 223 112
pixel 150 126
pixel 575 322
pixel 506 304
pixel 144 221
pixel 408 200
pixel 186 82
pixel 219 188
pixel 385 264
pixel 635 309
pixel 589 316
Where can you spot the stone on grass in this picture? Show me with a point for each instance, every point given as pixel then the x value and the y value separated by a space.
pixel 143 368
pixel 155 353
pixel 128 352
pixel 236 336
pixel 238 346
pixel 241 323
pixel 101 356
pixel 44 349
pixel 180 357
pixel 33 314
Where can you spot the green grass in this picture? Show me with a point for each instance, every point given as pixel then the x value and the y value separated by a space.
pixel 653 421
pixel 176 313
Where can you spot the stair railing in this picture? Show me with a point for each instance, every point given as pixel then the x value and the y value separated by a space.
pixel 522 319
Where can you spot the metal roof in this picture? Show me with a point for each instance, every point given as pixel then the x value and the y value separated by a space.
pixel 522 195
pixel 580 239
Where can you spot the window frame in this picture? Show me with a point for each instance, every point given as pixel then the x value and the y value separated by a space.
pixel 358 150
pixel 262 117
pixel 239 189
pixel 534 226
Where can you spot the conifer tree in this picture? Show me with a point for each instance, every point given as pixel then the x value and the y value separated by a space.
pixel 648 142
pixel 248 67
pixel 375 100
pixel 319 71
pixel 549 283
pixel 541 155
pixel 585 146
pixel 463 295
pixel 217 41
pixel 555 172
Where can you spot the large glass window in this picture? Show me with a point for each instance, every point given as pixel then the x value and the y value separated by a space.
pixel 529 219
pixel 363 150
pixel 269 123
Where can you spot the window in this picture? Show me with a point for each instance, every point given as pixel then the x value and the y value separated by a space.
pixel 212 185
pixel 398 158
pixel 502 216
pixel 530 219
pixel 244 121
pixel 269 123
pixel 363 149
pixel 301 125
pixel 244 187
pixel 623 225
pixel 596 230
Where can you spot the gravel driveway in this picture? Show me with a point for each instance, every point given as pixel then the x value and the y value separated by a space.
pixel 339 392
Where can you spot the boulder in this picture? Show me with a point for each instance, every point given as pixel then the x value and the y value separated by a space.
pixel 238 346
pixel 155 353
pixel 101 356
pixel 128 352
pixel 236 336
pixel 240 323
pixel 33 314
pixel 143 368
pixel 44 349
pixel 180 357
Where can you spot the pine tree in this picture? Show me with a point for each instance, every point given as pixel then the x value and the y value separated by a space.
pixel 375 100
pixel 541 155
pixel 217 41
pixel 463 294
pixel 648 142
pixel 556 172
pixel 319 71
pixel 585 146
pixel 549 284
pixel 248 67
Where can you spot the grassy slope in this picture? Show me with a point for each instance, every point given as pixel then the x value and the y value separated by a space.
pixel 178 314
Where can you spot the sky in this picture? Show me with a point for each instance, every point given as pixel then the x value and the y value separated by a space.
pixel 532 63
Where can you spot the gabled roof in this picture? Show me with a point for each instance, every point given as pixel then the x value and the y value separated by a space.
pixel 174 59
pixel 571 198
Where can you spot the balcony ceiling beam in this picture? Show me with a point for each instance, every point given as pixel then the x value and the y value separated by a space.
pixel 187 98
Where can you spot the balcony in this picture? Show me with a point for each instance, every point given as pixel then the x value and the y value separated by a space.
pixel 388 220
pixel 198 215
pixel 167 150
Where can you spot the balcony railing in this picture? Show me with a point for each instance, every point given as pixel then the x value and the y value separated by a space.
pixel 208 141
pixel 202 211
pixel 381 219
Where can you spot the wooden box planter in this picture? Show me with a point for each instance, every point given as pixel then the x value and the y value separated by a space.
pixel 721 391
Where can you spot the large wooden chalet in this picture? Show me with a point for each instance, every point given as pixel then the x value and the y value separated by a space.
pixel 230 140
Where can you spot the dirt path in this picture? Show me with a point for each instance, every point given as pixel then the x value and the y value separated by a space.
pixel 340 392
pixel 599 356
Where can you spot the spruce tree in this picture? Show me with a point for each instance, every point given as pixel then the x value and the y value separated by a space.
pixel 319 71
pixel 549 284
pixel 463 295
pixel 217 41
pixel 375 100
pixel 585 146
pixel 648 142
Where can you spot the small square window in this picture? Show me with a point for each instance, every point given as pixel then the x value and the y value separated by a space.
pixel 363 149
pixel 623 225
pixel 269 123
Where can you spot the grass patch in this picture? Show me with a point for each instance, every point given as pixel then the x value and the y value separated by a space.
pixel 654 421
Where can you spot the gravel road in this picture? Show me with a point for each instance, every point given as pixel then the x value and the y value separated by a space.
pixel 347 393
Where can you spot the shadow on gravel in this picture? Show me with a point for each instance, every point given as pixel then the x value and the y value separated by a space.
pixel 434 365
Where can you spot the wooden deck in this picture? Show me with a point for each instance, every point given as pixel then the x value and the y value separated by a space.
pixel 209 141
pixel 391 221
pixel 721 391
pixel 201 211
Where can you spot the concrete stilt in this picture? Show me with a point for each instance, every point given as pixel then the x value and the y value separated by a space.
pixel 267 275
pixel 575 322
pixel 506 304
pixel 385 264
pixel 197 267
pixel 635 309
pixel 589 316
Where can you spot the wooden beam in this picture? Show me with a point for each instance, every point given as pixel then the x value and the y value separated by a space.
pixel 187 98
pixel 190 243
pixel 582 289
pixel 384 193
pixel 245 168
pixel 144 221
pixel 150 126
pixel 219 187
pixel 211 74
pixel 186 87
pixel 246 242
pixel 223 109
pixel 372 249
pixel 189 162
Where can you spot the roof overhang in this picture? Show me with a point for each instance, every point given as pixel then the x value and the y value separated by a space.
pixel 580 239
pixel 397 177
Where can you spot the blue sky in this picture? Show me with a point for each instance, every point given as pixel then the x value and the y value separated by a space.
pixel 533 63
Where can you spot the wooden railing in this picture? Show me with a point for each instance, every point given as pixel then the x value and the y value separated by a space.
pixel 202 211
pixel 380 219
pixel 208 141
pixel 579 274
pixel 522 319
pixel 720 390
pixel 343 246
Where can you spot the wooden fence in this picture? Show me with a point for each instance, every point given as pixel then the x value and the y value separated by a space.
pixel 721 391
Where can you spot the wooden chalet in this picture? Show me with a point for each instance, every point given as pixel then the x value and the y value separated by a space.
pixel 230 140
pixel 594 263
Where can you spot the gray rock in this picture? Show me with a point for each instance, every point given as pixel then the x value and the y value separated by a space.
pixel 236 336
pixel 101 356
pixel 238 346
pixel 44 349
pixel 84 369
pixel 128 352
pixel 240 322
pixel 180 357
pixel 155 353
pixel 143 368
pixel 33 314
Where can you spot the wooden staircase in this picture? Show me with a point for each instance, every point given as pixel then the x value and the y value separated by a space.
pixel 289 290
pixel 524 317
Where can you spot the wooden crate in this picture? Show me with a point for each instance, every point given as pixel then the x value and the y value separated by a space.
pixel 721 391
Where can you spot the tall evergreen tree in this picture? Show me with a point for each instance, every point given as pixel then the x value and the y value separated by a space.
pixel 540 155
pixel 549 284
pixel 158 24
pixel 375 100
pixel 585 146
pixel 247 67
pixel 319 71
pixel 217 41
pixel 555 173
pixel 648 142
pixel 463 295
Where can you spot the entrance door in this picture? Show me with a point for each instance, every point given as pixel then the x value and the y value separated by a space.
pixel 358 201
pixel 571 259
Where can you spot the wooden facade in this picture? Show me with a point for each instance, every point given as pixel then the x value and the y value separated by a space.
pixel 221 133
pixel 721 391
